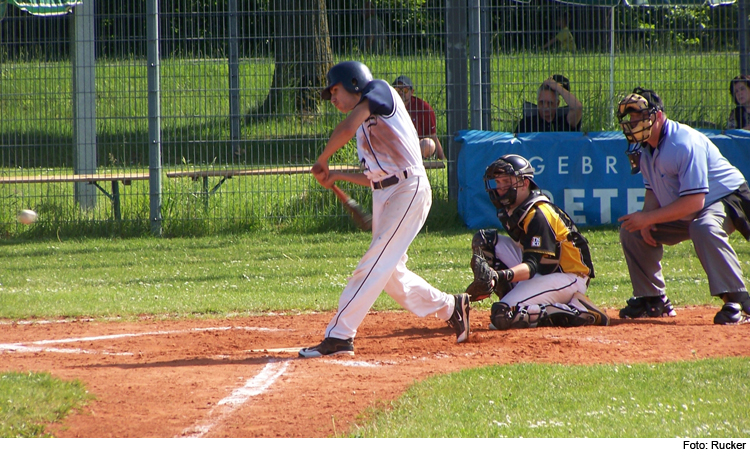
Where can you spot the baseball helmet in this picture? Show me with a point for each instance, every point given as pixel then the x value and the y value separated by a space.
pixel 514 166
pixel 738 79
pixel 634 114
pixel 353 75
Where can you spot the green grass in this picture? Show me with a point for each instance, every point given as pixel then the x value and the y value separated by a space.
pixel 705 398
pixel 269 271
pixel 31 401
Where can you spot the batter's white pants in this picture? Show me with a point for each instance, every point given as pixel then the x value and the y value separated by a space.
pixel 540 289
pixel 398 214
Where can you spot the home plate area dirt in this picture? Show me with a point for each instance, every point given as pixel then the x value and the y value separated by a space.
pixel 241 377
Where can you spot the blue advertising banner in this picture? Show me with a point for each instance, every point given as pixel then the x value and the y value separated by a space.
pixel 588 174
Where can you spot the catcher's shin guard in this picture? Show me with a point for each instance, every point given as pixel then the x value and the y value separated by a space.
pixel 503 317
pixel 562 315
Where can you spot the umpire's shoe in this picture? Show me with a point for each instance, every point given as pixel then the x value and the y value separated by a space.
pixel 731 314
pixel 329 347
pixel 651 306
pixel 459 321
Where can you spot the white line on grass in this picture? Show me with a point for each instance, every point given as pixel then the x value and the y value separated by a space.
pixel 253 387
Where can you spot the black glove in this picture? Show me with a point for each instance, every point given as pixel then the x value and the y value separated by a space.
pixel 485 279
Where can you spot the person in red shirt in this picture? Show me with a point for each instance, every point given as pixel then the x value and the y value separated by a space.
pixel 423 117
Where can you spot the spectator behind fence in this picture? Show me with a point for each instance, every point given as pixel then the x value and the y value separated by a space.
pixel 547 115
pixel 373 31
pixel 423 117
pixel 739 118
pixel 564 38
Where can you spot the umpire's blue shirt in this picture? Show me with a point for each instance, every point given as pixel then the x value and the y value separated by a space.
pixel 686 162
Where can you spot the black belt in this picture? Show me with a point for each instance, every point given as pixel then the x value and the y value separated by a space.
pixel 390 181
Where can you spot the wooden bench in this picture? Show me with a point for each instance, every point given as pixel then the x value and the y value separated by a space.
pixel 115 178
pixel 225 174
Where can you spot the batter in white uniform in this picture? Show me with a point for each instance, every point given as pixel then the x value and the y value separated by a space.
pixel 388 150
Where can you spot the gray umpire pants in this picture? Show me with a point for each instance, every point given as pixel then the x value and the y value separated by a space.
pixel 710 235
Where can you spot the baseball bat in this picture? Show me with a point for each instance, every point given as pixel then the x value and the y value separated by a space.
pixel 361 218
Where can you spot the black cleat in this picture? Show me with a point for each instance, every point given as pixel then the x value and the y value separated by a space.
pixel 731 314
pixel 459 321
pixel 329 347
pixel 600 317
pixel 648 306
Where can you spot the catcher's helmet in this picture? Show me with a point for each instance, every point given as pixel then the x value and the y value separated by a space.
pixel 738 79
pixel 353 75
pixel 514 166
pixel 634 114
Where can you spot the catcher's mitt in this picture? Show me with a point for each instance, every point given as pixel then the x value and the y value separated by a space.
pixel 485 279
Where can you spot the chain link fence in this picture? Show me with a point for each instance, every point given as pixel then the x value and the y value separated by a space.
pixel 181 118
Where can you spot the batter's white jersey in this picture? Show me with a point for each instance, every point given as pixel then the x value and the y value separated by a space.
pixel 388 148
pixel 387 143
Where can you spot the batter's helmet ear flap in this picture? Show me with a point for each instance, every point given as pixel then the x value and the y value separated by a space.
pixel 353 75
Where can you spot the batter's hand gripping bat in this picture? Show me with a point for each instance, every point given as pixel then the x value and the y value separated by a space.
pixel 361 218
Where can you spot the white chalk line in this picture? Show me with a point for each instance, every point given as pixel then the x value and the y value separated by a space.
pixel 39 346
pixel 353 363
pixel 225 407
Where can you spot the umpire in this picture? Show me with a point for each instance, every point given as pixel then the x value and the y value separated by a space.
pixel 692 192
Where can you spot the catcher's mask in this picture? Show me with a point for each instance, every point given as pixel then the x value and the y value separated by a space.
pixel 515 166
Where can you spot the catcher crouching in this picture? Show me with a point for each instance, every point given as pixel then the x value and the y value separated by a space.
pixel 542 269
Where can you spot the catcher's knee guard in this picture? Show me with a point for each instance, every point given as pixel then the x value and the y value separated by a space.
pixel 503 317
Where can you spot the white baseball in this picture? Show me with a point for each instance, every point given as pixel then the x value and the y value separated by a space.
pixel 427 146
pixel 27 216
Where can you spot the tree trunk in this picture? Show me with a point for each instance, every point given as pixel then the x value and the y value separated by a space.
pixel 302 54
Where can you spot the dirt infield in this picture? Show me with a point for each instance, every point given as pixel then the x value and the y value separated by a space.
pixel 241 377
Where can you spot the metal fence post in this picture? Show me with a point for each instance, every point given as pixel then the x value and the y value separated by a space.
pixel 456 85
pixel 744 54
pixel 234 79
pixel 154 116
pixel 475 64
pixel 486 69
pixel 84 101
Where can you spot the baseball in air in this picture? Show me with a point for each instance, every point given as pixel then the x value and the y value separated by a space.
pixel 27 216
pixel 427 146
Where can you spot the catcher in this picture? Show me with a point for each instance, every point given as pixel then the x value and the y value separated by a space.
pixel 542 271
